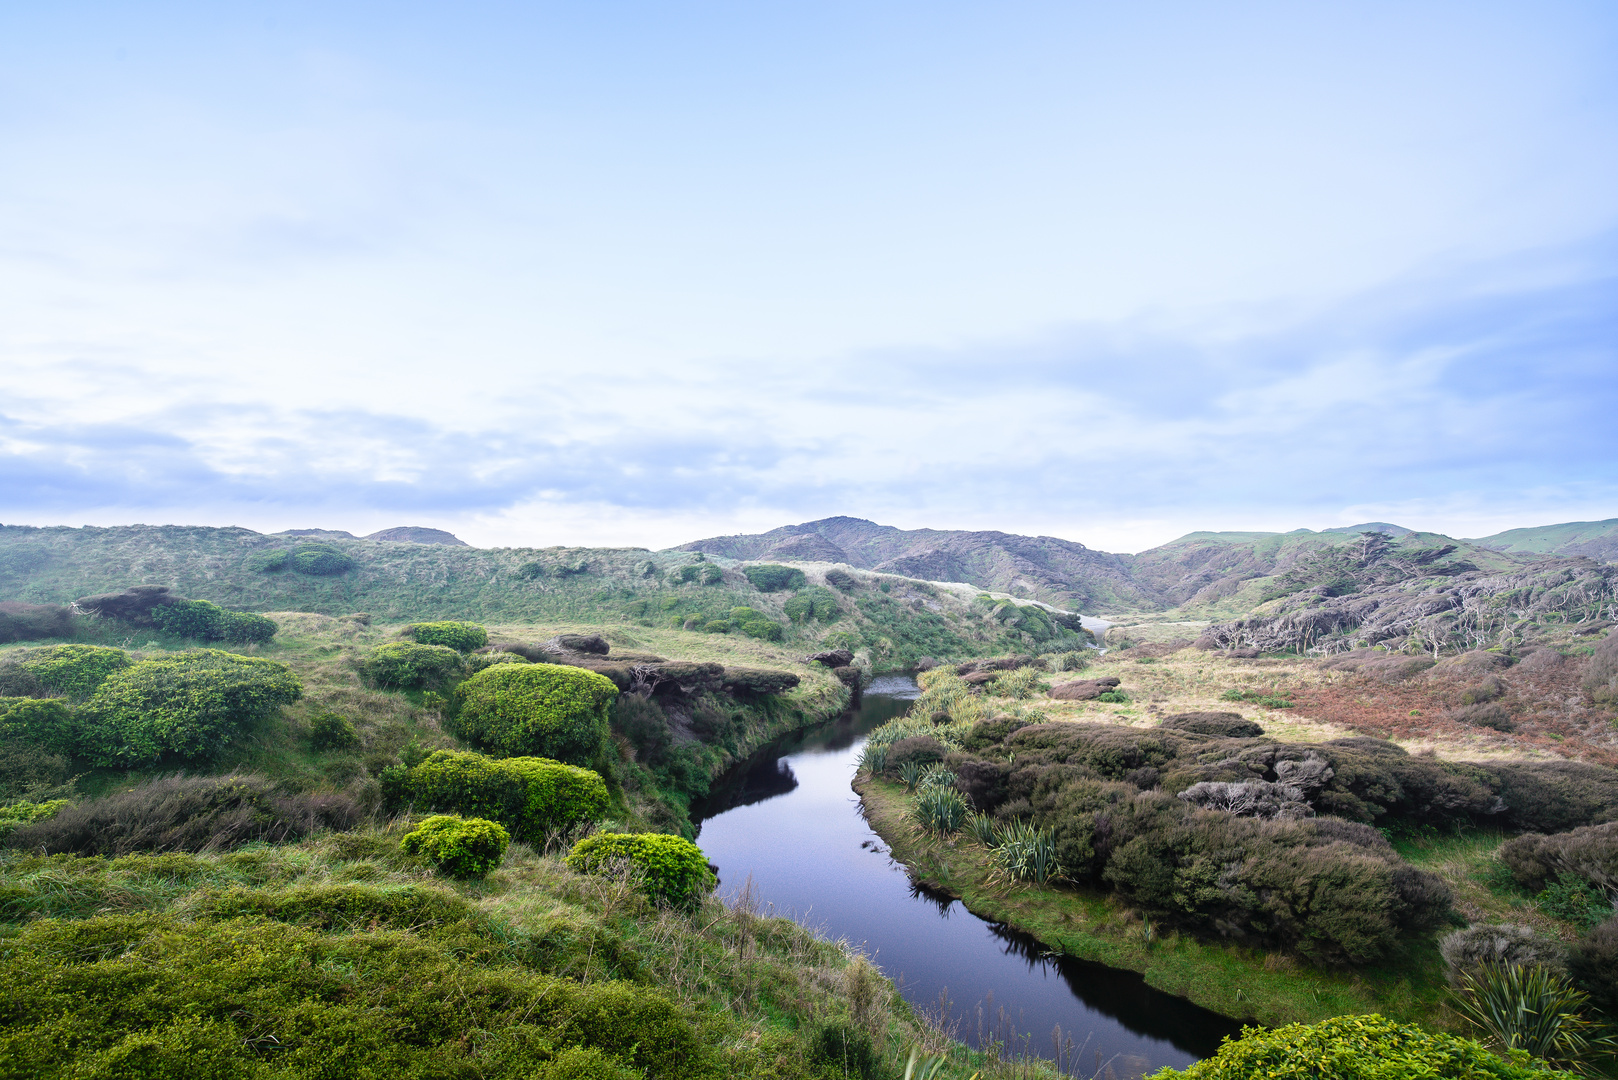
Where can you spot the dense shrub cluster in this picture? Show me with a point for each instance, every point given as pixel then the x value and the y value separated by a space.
pixel 1600 678
pixel 672 869
pixel 188 705
pixel 330 731
pixel 771 577
pixel 544 710
pixel 33 622
pixel 181 813
pixel 15 815
pixel 207 621
pixel 842 580
pixel 528 795
pixel 1589 853
pixel 1593 964
pixel 702 573
pixel 1368 1047
pixel 463 637
pixel 404 665
pixel 41 723
pixel 199 998
pixel 73 671
pixel 316 560
pixel 458 847
pixel 1500 944
pixel 816 602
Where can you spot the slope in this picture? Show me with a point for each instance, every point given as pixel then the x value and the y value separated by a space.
pixel 1593 539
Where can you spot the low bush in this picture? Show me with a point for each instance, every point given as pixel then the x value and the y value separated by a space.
pixel 816 602
pixel 758 682
pixel 15 815
pixel 74 671
pixel 771 577
pixel 207 621
pixel 43 724
pixel 1589 853
pixel 542 710
pixel 1114 697
pixel 939 811
pixel 187 813
pixel 329 731
pixel 921 750
pixel 463 637
pixel 1555 796
pixel 1499 944
pixel 1227 725
pixel 672 869
pixel 845 1051
pixel 406 665
pixel 1600 679
pixel 27 770
pixel 1575 900
pixel 1592 963
pixel 528 795
pixel 842 580
pixel 763 629
pixel 478 661
pixel 1366 1047
pixel 187 705
pixel 33 622
pixel 318 560
pixel 458 847
pixel 716 626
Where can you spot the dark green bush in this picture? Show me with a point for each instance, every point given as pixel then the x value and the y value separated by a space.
pixel 672 869
pixel 318 560
pixel 921 749
pixel 207 621
pixel 758 682
pixel 770 577
pixel 1600 679
pixel 404 665
pixel 245 628
pixel 33 622
pixel 458 847
pixel 180 813
pixel 544 710
pixel 1589 853
pixel 1499 944
pixel 329 731
pixel 842 580
pixel 478 661
pixel 528 795
pixel 74 670
pixel 1367 1047
pixel 189 705
pixel 1225 724
pixel 461 636
pixel 716 626
pixel 1554 796
pixel 816 602
pixel 1593 964
pixel 532 570
pixel 763 629
pixel 27 769
pixel 845 1051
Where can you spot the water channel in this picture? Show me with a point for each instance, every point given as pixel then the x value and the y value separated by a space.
pixel 789 819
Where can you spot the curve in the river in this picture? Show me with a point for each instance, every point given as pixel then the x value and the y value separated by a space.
pixel 789 819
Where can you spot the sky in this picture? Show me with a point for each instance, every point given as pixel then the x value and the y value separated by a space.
pixel 620 273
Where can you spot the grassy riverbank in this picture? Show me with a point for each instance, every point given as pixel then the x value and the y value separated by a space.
pixel 1244 983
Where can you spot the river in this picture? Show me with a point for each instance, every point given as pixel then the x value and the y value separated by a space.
pixel 789 819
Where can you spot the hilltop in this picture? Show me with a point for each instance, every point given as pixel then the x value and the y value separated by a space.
pixel 1593 539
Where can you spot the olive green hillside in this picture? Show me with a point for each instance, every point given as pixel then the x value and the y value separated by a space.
pixel 1595 539
pixel 892 620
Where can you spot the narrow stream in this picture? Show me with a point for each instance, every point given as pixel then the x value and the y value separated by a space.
pixel 789 819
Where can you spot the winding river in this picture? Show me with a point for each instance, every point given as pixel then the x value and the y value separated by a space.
pixel 789 819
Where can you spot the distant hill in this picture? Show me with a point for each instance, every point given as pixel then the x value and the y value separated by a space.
pixel 1593 539
pixel 1059 572
pixel 409 534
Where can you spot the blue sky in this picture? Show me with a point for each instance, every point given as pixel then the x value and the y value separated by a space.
pixel 632 273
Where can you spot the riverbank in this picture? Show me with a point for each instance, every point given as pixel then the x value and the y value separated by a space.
pixel 1243 983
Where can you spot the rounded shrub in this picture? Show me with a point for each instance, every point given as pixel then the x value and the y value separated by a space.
pixel 529 795
pixel 1501 944
pixel 461 636
pixel 405 665
pixel 1593 963
pixel 816 602
pixel 478 661
pixel 763 629
pixel 245 628
pixel 207 621
pixel 543 710
pixel 318 560
pixel 673 870
pixel 329 731
pixel 458 847
pixel 189 705
pixel 770 577
pixel 1368 1047
pixel 74 670
pixel 716 626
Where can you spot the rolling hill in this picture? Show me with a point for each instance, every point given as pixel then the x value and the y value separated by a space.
pixel 1594 539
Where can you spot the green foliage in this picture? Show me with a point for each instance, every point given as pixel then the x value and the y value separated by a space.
pixel 45 723
pixel 463 637
pixel 330 731
pixel 531 570
pixel 1573 898
pixel 763 629
pixel 701 573
pixel 1593 964
pixel 478 661
pixel 317 560
pixel 816 602
pixel 1269 700
pixel 245 628
pixel 189 705
pixel 1024 852
pixel 458 847
pixel 529 795
pixel 405 665
pixel 672 869
pixel 771 577
pixel 1589 853
pixel 1531 1009
pixel 26 813
pixel 716 626
pixel 34 622
pixel 1113 697
pixel 207 621
pixel 1367 1047
pixel 543 710
pixel 939 810
pixel 74 670
pixel 842 580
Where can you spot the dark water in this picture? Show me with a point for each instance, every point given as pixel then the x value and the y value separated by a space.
pixel 789 819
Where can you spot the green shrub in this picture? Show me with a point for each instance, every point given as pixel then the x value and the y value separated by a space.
pixel 672 869
pixel 770 577
pixel 458 847
pixel 1574 899
pixel 758 682
pixel 816 602
pixel 1593 964
pixel 845 1051
pixel 923 750
pixel 763 629
pixel 1533 1010
pixel 939 810
pixel 18 814
pixel 716 626
pixel 33 622
pixel 1023 852
pixel 27 770
pixel 532 570
pixel 207 621
pixel 1590 853
pixel 542 710
pixel 187 813
pixel 529 795
pixel 1500 945
pixel 45 723
pixel 1113 697
pixel 245 628
pixel 329 731
pixel 842 580
pixel 404 665
pixel 478 661
pixel 189 705
pixel 1600 679
pixel 318 560
pixel 74 670
pixel 463 637
pixel 1368 1047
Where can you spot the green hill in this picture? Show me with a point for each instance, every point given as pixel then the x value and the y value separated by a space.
pixel 1595 539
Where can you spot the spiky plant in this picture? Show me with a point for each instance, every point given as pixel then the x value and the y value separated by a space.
pixel 1534 1009
pixel 1026 853
pixel 940 810
pixel 984 829
pixel 910 774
